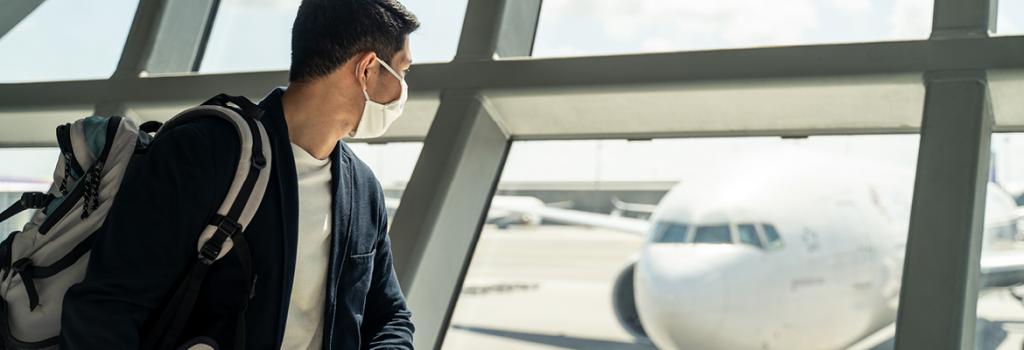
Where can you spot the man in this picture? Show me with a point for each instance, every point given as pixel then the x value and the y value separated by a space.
pixel 321 256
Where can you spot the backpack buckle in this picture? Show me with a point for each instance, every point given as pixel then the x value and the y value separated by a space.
pixel 35 200
pixel 21 265
pixel 226 228
pixel 209 253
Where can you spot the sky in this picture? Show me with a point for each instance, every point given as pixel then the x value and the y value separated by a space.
pixel 90 35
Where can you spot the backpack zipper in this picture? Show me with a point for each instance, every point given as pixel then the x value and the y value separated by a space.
pixel 79 190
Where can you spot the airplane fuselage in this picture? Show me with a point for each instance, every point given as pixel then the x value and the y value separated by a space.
pixel 804 254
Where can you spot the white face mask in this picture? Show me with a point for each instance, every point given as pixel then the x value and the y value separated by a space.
pixel 378 117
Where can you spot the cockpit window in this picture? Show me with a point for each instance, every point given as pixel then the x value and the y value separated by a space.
pixel 748 235
pixel 716 234
pixel 673 232
pixel 771 236
pixel 670 232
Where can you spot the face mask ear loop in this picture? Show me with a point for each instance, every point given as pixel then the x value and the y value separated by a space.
pixel 386 66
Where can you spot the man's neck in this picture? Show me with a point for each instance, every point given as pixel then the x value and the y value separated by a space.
pixel 317 117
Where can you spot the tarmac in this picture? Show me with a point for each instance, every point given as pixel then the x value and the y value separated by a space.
pixel 549 287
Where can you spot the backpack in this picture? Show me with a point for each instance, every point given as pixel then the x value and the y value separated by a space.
pixel 39 263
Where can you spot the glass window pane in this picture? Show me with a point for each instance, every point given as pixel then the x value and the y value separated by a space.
pixel 246 26
pixel 393 164
pixel 1010 18
pixel 36 126
pixel 668 232
pixel 23 170
pixel 717 234
pixel 601 27
pixel 66 40
pixel 748 235
pixel 545 286
pixel 1002 251
pixel 1006 87
pixel 771 236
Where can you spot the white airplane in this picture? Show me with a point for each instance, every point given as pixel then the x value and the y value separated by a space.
pixel 786 250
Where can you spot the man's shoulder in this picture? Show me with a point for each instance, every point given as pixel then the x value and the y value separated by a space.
pixel 202 142
pixel 364 175
pixel 357 164
pixel 212 129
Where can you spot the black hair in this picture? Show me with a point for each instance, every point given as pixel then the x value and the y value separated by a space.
pixel 327 33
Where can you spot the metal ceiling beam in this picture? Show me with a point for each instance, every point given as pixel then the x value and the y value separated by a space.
pixel 678 67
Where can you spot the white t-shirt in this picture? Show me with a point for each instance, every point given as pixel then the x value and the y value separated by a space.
pixel 304 326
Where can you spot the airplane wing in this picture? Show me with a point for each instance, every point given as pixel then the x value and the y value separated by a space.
pixel 621 206
pixel 559 215
pixel 1002 268
pixel 576 217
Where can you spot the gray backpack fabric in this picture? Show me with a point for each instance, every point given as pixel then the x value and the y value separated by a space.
pixel 39 263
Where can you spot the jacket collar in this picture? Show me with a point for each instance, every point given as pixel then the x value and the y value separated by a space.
pixel 341 205
pixel 284 167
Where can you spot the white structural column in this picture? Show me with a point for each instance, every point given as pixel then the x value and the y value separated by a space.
pixel 165 37
pixel 938 298
pixel 446 202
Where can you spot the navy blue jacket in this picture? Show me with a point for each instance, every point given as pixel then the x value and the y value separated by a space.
pixel 150 238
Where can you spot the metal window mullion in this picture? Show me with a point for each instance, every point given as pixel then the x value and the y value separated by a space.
pixel 445 204
pixel 140 37
pixel 940 279
pixel 963 18
pixel 165 37
pixel 15 11
pixel 812 62
pixel 444 208
pixel 938 295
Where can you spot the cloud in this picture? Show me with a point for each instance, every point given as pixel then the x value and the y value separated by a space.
pixel 694 24
pixel 1011 17
pixel 910 19
pixel 616 26
pixel 852 6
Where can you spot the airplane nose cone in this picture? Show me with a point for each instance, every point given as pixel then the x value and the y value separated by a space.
pixel 682 294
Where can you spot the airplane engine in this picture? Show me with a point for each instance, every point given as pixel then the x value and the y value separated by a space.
pixel 624 303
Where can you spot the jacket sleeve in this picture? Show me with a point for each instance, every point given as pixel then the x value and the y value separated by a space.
pixel 148 244
pixel 388 322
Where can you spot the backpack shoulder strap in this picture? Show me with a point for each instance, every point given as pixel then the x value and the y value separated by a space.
pixel 224 230
pixel 248 186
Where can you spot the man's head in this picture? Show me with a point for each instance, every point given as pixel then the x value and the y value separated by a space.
pixel 328 33
pixel 349 46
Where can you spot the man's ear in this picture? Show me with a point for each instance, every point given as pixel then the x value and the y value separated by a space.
pixel 364 61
